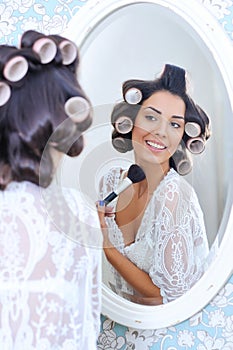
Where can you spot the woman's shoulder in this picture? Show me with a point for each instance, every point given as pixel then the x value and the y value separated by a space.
pixel 68 200
pixel 76 200
pixel 181 182
pixel 71 208
pixel 174 184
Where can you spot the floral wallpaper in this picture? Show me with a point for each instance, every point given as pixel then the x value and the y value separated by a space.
pixel 46 16
pixel 210 329
pixel 53 16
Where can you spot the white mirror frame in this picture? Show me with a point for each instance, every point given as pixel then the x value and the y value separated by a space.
pixel 153 317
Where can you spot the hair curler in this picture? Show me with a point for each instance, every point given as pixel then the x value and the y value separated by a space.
pixel 192 129
pixel 45 48
pixel 133 96
pixel 68 51
pixel 15 69
pixel 195 145
pixel 123 124
pixel 5 93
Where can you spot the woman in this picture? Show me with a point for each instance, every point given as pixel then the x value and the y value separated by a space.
pixel 154 234
pixel 50 265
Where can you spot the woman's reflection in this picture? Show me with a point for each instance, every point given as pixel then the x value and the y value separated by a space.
pixel 155 241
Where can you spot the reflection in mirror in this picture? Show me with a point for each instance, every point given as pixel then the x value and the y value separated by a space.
pixel 124 50
pixel 156 245
pixel 120 54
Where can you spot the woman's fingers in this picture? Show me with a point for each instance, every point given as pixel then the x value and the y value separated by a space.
pixel 100 205
pixel 102 208
pixel 109 211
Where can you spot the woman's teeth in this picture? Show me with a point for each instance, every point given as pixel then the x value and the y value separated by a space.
pixel 155 145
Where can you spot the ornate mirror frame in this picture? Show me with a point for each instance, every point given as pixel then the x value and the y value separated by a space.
pixel 212 35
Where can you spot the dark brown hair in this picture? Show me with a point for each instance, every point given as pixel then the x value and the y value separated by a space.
pixel 34 117
pixel 172 79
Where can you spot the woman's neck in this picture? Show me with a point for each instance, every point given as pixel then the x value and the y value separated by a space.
pixel 154 175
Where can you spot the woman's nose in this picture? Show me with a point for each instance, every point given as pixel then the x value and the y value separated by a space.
pixel 161 128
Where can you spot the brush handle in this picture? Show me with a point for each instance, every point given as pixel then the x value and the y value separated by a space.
pixel 110 198
pixel 125 184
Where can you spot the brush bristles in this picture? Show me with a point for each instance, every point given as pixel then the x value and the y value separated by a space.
pixel 135 173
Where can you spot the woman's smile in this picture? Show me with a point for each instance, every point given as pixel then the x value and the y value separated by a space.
pixel 159 127
pixel 155 145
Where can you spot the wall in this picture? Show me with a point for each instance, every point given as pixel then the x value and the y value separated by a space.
pixel 212 328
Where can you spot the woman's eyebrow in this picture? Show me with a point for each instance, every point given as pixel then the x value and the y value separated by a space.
pixel 159 112
pixel 178 117
pixel 154 109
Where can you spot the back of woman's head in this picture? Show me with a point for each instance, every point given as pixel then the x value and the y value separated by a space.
pixel 46 109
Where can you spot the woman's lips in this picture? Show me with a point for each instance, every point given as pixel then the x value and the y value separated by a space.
pixel 155 145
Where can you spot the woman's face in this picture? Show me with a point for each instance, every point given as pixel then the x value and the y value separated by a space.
pixel 158 128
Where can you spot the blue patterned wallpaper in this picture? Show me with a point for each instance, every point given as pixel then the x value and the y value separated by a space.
pixel 47 16
pixel 53 16
pixel 210 329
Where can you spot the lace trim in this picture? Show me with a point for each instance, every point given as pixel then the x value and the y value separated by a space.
pixel 171 235
pixel 46 277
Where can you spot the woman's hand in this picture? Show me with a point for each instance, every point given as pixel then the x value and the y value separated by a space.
pixel 104 211
pixel 137 278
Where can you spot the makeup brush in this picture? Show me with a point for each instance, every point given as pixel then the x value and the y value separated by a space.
pixel 135 174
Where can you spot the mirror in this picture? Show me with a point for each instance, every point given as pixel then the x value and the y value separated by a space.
pixel 134 39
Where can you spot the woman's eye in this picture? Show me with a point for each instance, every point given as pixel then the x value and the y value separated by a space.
pixel 150 117
pixel 175 125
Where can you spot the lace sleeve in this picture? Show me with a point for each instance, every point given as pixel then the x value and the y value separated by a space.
pixel 91 303
pixel 50 280
pixel 109 181
pixel 181 243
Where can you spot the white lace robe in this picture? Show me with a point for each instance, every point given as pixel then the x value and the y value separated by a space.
pixel 49 282
pixel 171 243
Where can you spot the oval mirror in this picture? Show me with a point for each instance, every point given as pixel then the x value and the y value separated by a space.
pixel 126 39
